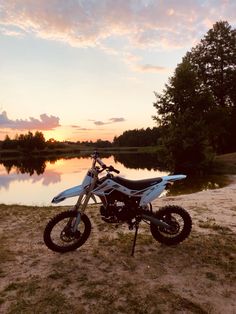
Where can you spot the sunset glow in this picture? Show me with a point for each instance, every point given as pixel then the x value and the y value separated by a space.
pixel 86 70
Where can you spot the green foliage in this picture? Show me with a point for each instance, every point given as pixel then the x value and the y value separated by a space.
pixel 101 144
pixel 7 143
pixel 197 108
pixel 214 62
pixel 138 138
pixel 25 142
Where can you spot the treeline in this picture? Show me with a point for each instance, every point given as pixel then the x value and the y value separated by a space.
pixel 31 142
pixel 138 137
pixel 25 142
pixel 98 143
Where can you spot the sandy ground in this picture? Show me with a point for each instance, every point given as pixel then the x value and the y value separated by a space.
pixel 217 205
pixel 196 276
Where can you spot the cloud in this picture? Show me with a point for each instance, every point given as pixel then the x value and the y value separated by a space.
pixel 44 123
pixel 150 68
pixel 143 23
pixel 110 121
pixel 133 61
pixel 49 177
pixel 9 32
pixel 114 120
pixel 100 122
pixel 79 128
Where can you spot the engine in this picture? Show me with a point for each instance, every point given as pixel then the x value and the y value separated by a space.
pixel 117 212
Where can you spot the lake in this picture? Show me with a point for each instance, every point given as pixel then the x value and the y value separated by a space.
pixel 35 181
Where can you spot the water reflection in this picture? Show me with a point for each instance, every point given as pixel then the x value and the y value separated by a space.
pixel 147 161
pixel 193 184
pixel 26 165
pixel 50 177
pixel 37 165
pixel 38 180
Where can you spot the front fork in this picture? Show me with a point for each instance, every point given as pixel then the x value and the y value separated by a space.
pixel 81 205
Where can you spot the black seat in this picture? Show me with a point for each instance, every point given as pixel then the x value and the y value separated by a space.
pixel 137 184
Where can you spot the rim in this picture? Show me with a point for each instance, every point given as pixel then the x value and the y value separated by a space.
pixel 62 235
pixel 176 222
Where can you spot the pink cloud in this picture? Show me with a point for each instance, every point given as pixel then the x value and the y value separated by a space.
pixel 44 123
pixel 110 121
pixel 150 68
pixel 89 22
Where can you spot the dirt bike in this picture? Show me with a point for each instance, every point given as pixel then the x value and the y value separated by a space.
pixel 123 201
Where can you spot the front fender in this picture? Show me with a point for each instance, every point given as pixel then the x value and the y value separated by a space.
pixel 75 191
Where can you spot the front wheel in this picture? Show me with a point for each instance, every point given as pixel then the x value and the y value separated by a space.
pixel 179 220
pixel 59 235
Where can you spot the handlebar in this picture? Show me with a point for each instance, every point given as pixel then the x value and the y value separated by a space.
pixel 111 168
pixel 101 163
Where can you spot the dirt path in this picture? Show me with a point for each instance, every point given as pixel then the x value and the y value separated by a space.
pixel 197 276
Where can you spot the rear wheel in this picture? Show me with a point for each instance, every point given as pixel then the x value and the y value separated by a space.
pixel 59 235
pixel 179 220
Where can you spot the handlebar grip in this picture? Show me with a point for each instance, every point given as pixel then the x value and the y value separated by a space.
pixel 111 168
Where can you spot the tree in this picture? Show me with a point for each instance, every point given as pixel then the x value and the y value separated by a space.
pixel 25 142
pixel 214 61
pixel 197 106
pixel 138 137
pixel 39 140
pixel 180 111
pixel 7 142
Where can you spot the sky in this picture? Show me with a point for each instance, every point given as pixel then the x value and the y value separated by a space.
pixel 87 69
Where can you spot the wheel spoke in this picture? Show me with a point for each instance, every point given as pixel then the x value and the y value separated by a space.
pixel 63 235
pixel 179 221
pixel 176 222
pixel 59 234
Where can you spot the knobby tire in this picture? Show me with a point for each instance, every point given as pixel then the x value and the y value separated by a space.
pixel 78 242
pixel 159 234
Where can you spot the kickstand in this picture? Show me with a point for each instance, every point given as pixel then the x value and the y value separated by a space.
pixel 135 238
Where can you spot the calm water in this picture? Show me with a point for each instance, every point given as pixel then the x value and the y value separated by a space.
pixel 37 181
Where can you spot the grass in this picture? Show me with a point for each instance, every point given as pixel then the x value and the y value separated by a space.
pixel 50 301
pixel 102 277
pixel 6 255
pixel 74 150
pixel 225 164
pixel 210 223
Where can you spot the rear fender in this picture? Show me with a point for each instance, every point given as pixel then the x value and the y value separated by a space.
pixel 152 193
pixel 174 178
pixel 155 191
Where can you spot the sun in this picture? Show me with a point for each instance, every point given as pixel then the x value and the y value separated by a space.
pixel 57 135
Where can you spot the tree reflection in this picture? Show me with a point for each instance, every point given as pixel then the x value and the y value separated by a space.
pixel 26 165
pixel 147 161
pixel 36 166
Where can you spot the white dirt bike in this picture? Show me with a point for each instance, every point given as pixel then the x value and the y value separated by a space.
pixel 123 201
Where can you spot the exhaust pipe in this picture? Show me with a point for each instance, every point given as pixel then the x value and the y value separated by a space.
pixel 156 221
